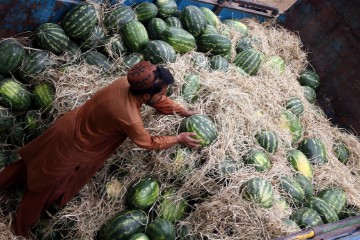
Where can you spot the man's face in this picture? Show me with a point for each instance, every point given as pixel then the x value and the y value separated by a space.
pixel 158 96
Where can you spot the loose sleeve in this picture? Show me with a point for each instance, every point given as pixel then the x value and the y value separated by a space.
pixel 141 137
pixel 167 106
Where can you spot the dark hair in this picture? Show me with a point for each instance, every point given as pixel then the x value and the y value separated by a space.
pixel 163 77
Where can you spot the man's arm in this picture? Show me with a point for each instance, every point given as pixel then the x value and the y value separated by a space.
pixel 167 106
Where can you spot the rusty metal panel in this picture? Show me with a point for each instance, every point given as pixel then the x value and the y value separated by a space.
pixel 330 33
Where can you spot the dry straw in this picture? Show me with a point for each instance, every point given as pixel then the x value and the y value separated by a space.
pixel 240 106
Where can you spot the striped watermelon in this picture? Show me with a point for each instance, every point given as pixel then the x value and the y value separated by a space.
pixel 34 64
pixel 210 16
pixel 223 169
pixel 146 11
pixel 74 52
pixel 80 21
pixel 326 213
pixel 12 54
pixel 7 156
pixel 309 94
pixel 237 26
pixel 143 193
pixel 349 211
pixel 123 225
pixel 309 78
pixel 268 140
pixel 335 198
pixel 210 29
pixel 166 7
pixel 139 236
pixel 44 95
pixel 181 40
pixel 14 95
pixel 259 191
pixel 203 126
pixel 97 59
pixel 293 189
pixel 191 87
pixel 130 60
pixel 115 47
pixel 305 184
pixel 32 121
pixel 259 160
pixel 249 60
pixel 314 150
pixel 193 20
pixel 6 119
pixel 135 35
pixel 341 152
pixel 295 105
pixel 244 43
pixel 171 207
pixel 161 229
pixel 158 51
pixel 17 135
pixel 306 217
pixel 216 44
pixel 183 232
pixel 51 37
pixel 199 61
pixel 95 38
pixel 300 163
pixel 118 17
pixel 275 63
pixel 290 121
pixel 219 63
pixel 155 28
pixel 174 22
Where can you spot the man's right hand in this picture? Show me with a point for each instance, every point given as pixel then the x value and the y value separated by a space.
pixel 186 139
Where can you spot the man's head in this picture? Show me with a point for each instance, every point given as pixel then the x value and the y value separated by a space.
pixel 149 81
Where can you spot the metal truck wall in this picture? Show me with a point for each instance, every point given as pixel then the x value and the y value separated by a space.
pixel 330 32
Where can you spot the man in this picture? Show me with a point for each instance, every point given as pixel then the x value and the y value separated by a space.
pixel 57 164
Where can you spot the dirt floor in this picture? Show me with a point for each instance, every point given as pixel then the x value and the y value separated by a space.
pixel 282 5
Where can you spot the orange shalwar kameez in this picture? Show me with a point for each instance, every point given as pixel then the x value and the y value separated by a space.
pixel 57 164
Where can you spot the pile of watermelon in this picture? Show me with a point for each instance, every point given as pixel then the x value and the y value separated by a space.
pixel 181 193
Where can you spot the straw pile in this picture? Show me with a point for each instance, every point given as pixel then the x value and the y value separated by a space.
pixel 240 106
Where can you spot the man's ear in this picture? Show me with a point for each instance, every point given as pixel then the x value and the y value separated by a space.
pixel 146 97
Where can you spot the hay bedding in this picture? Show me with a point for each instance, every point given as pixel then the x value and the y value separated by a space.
pixel 240 106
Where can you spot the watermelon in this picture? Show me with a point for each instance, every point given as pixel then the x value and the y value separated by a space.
pixel 309 94
pixel 199 61
pixel 326 213
pixel 210 16
pixel 73 52
pixel 341 152
pixel 135 35
pixel 193 20
pixel 14 95
pixel 335 198
pixel 174 22
pixel 295 105
pixel 17 135
pixel 161 229
pixel 115 47
pixel 44 96
pixel 12 54
pixel 249 60
pixel 305 184
pixel 51 37
pixel 78 22
pixel 288 120
pixel 132 59
pixel 314 150
pixel 166 7
pixel 171 207
pixel 237 26
pixel 293 189
pixel 219 63
pixel 97 59
pixel 139 236
pixel 34 64
pixel 267 140
pixel 203 126
pixel 7 156
pixel 309 78
pixel 94 39
pixel 244 43
pixel 216 44
pixel 181 40
pixel 155 28
pixel 146 11
pixel 6 119
pixel 157 51
pixel 259 191
pixel 300 163
pixel 275 63
pixel 191 87
pixel 223 169
pixel 306 217
pixel 143 193
pixel 259 159
pixel 210 29
pixel 118 17
pixel 123 225
pixel 183 233
pixel 32 124
pixel 349 211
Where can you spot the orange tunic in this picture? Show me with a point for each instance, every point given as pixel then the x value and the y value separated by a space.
pixel 79 142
